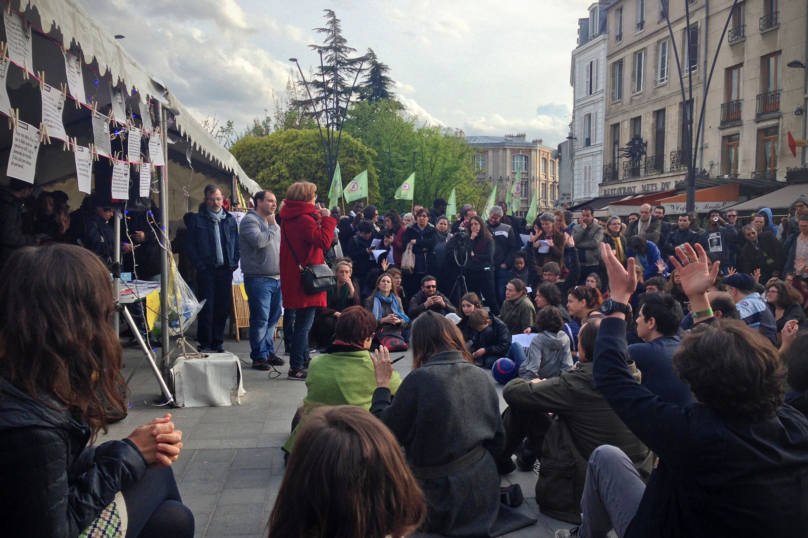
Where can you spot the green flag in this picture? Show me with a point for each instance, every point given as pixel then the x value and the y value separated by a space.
pixel 533 212
pixel 407 189
pixel 357 188
pixel 451 207
pixel 515 192
pixel 336 188
pixel 490 203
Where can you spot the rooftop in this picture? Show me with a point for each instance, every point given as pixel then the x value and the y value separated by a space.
pixel 508 140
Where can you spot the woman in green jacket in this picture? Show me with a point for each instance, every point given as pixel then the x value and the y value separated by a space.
pixel 517 311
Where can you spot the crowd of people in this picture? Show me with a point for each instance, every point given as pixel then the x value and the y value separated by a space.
pixel 658 373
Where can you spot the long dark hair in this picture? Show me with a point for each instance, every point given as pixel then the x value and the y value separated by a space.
pixel 395 219
pixel 346 477
pixel 56 336
pixel 432 334
pixel 483 228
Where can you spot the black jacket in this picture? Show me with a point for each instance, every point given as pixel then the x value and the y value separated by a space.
pixel 99 236
pixel 499 341
pixel 11 229
pixel 51 483
pixel 424 248
pixel 417 307
pixel 505 244
pixel 678 237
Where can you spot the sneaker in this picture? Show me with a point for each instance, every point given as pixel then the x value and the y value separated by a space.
pixel 298 374
pixel 286 352
pixel 274 360
pixel 306 364
pixel 205 349
pixel 524 461
pixel 536 466
pixel 219 349
pixel 567 533
pixel 262 365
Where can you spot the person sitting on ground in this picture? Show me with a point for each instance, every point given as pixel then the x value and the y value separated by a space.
pixel 344 295
pixel 794 281
pixel 658 325
pixel 549 351
pixel 785 303
pixel 429 298
pixel 363 484
pixel 548 295
pixel 468 304
pixel 386 307
pixel 517 311
pixel 723 307
pixel 656 284
pixel 581 422
pixel 647 256
pixel 582 303
pixel 674 289
pixel 551 272
pixel 397 281
pixel 344 374
pixel 60 380
pixel 754 311
pixel 794 351
pixel 491 339
pixel 454 463
pixel 733 464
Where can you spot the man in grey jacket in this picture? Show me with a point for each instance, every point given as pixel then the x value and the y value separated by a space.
pixel 260 239
pixel 588 236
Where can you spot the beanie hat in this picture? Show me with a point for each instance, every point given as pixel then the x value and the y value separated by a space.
pixel 740 281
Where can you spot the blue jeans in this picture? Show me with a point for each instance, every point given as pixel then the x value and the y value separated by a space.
pixel 297 324
pixel 215 287
pixel 612 493
pixel 502 282
pixel 517 354
pixel 264 297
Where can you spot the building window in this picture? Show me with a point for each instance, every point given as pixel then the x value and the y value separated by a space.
pixel 591 75
pixel 636 127
pixel 552 167
pixel 691 50
pixel 594 22
pixel 544 191
pixel 519 162
pixel 617 80
pixel 479 164
pixel 640 15
pixel 733 83
pixel 686 113
pixel 618 26
pixel 729 155
pixel 615 143
pixel 662 64
pixel 525 187
pixel 767 153
pixel 587 130
pixel 769 7
pixel 739 15
pixel 770 69
pixel 543 165
pixel 639 71
pixel 659 139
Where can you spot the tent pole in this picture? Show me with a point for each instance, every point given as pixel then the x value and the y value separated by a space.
pixel 164 261
pixel 116 272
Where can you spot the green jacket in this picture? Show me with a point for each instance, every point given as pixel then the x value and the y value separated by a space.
pixel 340 378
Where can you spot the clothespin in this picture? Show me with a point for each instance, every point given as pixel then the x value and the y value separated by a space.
pixel 73 142
pixel 64 91
pixel 3 51
pixel 44 137
pixel 112 113
pixel 41 76
pixel 138 164
pixel 14 118
pixel 25 74
pixel 8 7
pixel 93 152
pixel 95 108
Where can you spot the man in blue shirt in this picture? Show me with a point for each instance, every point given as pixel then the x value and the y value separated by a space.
pixel 754 310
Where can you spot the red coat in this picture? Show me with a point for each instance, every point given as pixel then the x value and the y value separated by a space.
pixel 309 234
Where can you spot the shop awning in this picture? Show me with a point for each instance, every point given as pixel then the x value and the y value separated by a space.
pixel 623 208
pixel 779 199
pixel 706 199
pixel 599 205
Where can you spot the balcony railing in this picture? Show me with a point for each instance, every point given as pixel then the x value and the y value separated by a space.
pixel 731 112
pixel 678 160
pixel 736 34
pixel 772 20
pixel 618 37
pixel 768 175
pixel 653 164
pixel 632 169
pixel 611 172
pixel 640 26
pixel 768 103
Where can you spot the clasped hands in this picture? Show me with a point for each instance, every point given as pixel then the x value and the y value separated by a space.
pixel 158 441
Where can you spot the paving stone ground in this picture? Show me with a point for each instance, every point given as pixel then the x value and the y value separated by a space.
pixel 231 467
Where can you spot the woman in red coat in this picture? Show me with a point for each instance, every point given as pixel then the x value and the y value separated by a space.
pixel 307 231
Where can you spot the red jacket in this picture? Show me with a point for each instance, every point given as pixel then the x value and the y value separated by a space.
pixel 309 234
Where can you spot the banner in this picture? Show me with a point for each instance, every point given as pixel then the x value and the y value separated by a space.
pixel 336 188
pixel 451 207
pixel 533 212
pixel 407 189
pixel 357 188
pixel 515 191
pixel 492 200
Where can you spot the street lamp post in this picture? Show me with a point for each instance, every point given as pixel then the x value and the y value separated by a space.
pixel 414 153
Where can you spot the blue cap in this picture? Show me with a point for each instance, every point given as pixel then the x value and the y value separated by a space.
pixel 740 281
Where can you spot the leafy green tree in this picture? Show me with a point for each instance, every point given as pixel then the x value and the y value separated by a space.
pixel 279 159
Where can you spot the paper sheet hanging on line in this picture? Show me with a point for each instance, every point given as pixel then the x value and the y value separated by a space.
pixel 53 103
pixel 145 179
pixel 156 150
pixel 75 79
pixel 145 115
pixel 101 135
pixel 5 103
pixel 523 340
pixel 120 180
pixel 24 151
pixel 19 41
pixel 133 144
pixel 118 105
pixel 84 168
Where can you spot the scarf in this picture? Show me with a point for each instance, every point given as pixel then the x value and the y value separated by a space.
pixel 618 249
pixel 216 218
pixel 391 300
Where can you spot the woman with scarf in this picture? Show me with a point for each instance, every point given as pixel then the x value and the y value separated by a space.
pixel 423 238
pixel 614 238
pixel 385 306
pixel 477 268
pixel 212 247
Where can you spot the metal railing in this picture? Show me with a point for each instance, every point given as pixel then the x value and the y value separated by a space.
pixel 769 175
pixel 653 164
pixel 611 172
pixel 678 160
pixel 632 168
pixel 768 103
pixel 736 34
pixel 618 37
pixel 772 20
pixel 731 111
pixel 640 26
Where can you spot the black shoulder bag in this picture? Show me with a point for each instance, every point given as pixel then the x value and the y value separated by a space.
pixel 315 278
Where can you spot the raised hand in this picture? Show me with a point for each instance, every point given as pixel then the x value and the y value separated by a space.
pixel 732 271
pixel 695 270
pixel 385 264
pixel 622 281
pixel 788 335
pixel 756 275
pixel 661 266
pixel 382 367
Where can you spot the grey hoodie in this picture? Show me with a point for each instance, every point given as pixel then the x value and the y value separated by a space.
pixel 260 247
pixel 548 355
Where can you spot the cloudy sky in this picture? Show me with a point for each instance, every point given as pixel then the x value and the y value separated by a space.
pixel 489 68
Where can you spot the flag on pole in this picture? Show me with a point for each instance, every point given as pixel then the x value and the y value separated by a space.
pixel 515 192
pixel 451 207
pixel 357 188
pixel 336 188
pixel 490 203
pixel 407 189
pixel 533 212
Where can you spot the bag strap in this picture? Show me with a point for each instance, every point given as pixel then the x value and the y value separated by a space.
pixel 283 229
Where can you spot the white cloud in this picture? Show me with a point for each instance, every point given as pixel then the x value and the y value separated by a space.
pixel 403 88
pixel 548 128
pixel 414 109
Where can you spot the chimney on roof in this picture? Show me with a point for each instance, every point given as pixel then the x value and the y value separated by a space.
pixel 538 141
pixel 509 136
pixel 521 136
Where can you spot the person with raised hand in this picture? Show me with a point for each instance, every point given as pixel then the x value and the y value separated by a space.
pixel 734 463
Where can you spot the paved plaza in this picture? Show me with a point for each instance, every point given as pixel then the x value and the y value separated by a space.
pixel 231 467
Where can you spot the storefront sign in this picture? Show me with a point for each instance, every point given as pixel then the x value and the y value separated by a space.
pixel 678 208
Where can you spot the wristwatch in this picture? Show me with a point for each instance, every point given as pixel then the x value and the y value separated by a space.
pixel 610 307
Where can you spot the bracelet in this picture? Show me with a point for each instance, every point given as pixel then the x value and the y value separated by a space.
pixel 703 314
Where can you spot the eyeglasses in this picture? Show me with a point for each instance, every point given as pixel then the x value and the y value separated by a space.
pixel 732 216
pixel 430 287
pixel 213 200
